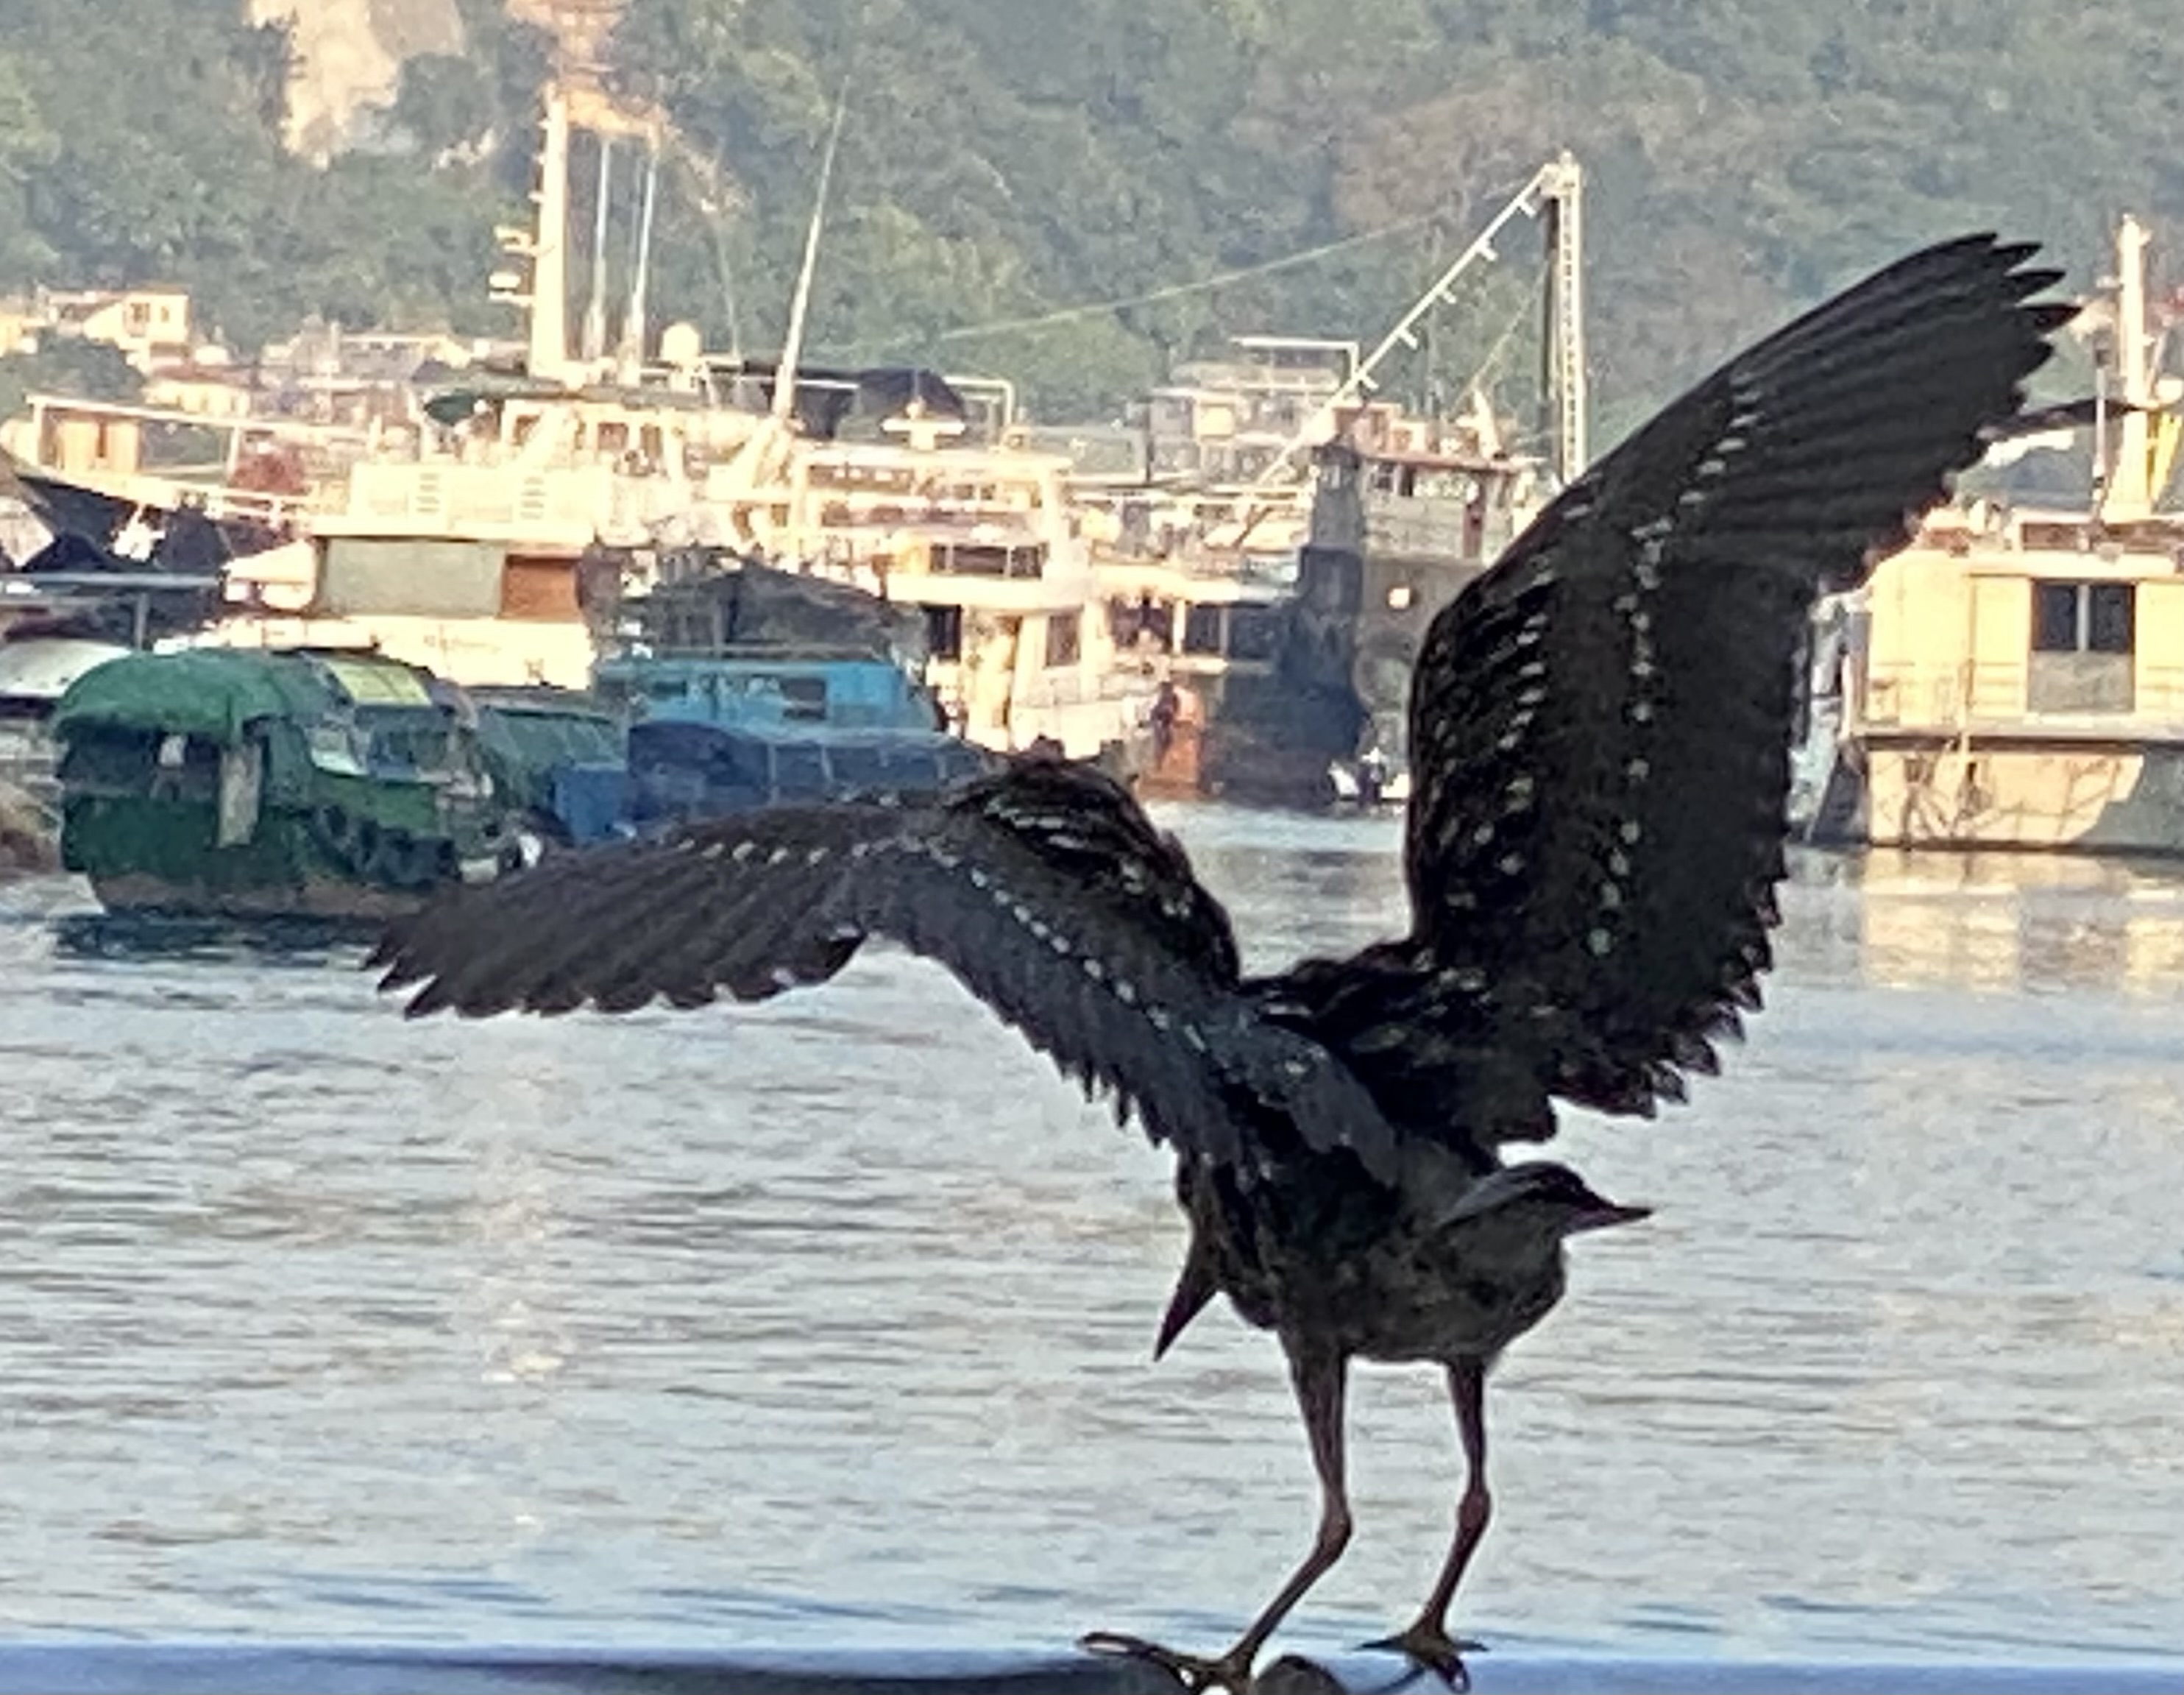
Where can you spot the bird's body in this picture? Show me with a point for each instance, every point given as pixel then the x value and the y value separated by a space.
pixel 1600 740
pixel 1315 1249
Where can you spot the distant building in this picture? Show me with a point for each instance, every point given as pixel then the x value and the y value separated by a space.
pixel 208 391
pixel 150 325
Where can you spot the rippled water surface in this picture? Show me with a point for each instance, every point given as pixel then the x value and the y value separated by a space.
pixel 827 1323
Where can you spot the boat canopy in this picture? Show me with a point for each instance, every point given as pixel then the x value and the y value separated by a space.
pixel 216 693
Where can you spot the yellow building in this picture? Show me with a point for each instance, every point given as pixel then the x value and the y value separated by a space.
pixel 149 325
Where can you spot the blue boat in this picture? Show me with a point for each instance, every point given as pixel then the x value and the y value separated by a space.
pixel 756 686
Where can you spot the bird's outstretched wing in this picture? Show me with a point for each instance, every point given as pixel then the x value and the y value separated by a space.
pixel 1043 887
pixel 1600 726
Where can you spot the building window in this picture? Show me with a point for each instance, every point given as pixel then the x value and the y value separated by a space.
pixel 1201 629
pixel 2083 636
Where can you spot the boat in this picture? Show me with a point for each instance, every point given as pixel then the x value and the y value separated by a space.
pixel 1280 619
pixel 54 626
pixel 2014 679
pixel 521 497
pixel 1407 513
pixel 558 760
pixel 748 687
pixel 35 672
pixel 285 784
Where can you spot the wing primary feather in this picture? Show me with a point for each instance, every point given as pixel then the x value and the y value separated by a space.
pixel 1044 890
pixel 1601 724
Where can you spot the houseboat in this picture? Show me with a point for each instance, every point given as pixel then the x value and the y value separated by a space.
pixel 295 785
pixel 2015 678
pixel 2011 680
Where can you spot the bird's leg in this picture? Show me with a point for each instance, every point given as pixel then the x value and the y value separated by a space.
pixel 1319 1380
pixel 1427 1641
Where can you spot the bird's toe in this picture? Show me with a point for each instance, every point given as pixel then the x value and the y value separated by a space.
pixel 1429 1649
pixel 1229 1674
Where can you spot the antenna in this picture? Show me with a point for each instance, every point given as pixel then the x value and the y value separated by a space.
pixel 791 344
pixel 595 311
pixel 633 326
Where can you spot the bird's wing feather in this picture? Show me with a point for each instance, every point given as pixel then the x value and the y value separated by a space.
pixel 1042 888
pixel 1601 725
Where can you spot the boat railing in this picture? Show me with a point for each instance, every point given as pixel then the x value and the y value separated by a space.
pixel 643 650
pixel 1956 694
pixel 952 559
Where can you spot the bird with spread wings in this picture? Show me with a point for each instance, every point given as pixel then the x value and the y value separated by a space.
pixel 1600 736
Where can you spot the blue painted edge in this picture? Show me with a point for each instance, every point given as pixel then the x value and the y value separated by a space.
pixel 119 1666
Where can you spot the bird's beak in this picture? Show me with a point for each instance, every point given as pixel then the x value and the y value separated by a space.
pixel 1606 1213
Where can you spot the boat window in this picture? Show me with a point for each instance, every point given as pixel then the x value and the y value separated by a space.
pixel 803 698
pixel 1253 631
pixel 410 750
pixel 2055 617
pixel 2108 609
pixel 2083 635
pixel 1062 639
pixel 1144 622
pixel 975 560
pixel 2083 617
pixel 333 747
pixel 860 767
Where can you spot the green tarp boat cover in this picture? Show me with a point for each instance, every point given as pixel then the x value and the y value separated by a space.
pixel 214 692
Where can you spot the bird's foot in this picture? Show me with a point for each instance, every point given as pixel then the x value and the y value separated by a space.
pixel 1231 1673
pixel 1429 1647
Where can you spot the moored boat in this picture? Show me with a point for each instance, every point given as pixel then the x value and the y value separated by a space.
pixel 746 687
pixel 304 784
pixel 35 672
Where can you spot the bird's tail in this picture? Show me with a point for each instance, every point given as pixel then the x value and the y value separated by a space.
pixel 1194 1286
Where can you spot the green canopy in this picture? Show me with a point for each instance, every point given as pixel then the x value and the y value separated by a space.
pixel 214 692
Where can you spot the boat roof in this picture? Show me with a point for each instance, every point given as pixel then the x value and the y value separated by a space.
pixel 217 693
pixel 41 667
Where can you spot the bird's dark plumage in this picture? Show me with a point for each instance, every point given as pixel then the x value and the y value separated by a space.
pixel 1600 739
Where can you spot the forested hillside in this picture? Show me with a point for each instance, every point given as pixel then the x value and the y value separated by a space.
pixel 1008 160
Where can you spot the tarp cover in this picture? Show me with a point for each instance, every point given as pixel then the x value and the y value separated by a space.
pixel 214 692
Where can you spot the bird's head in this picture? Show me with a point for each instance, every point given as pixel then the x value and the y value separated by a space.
pixel 1541 1198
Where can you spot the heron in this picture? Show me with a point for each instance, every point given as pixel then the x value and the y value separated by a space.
pixel 1599 731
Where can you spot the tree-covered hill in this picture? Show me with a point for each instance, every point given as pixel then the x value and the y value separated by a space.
pixel 1007 161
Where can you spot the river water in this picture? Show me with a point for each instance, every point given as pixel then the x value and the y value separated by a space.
pixel 827 1323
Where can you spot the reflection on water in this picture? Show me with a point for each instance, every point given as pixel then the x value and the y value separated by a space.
pixel 827 1323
